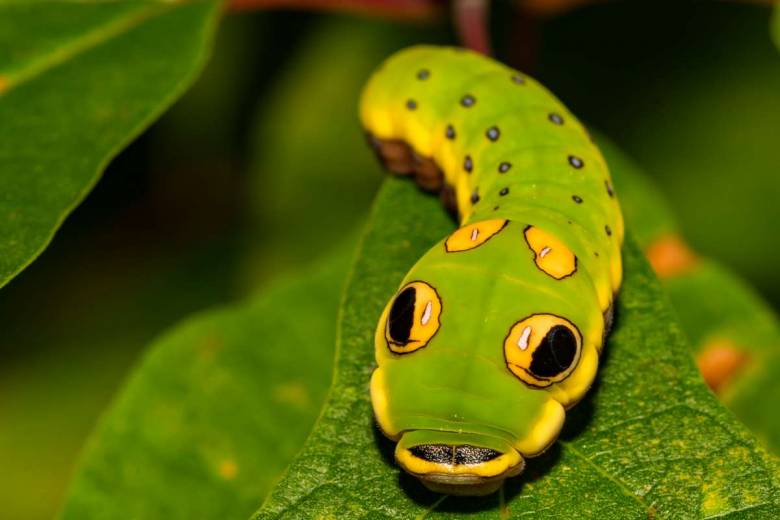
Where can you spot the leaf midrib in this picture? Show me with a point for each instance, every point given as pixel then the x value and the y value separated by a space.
pixel 81 44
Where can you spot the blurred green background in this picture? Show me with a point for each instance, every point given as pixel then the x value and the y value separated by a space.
pixel 237 183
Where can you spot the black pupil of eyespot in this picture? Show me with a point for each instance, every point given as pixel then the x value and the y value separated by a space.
pixel 555 354
pixel 399 322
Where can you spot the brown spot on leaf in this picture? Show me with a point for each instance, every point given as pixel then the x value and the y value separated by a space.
pixel 209 347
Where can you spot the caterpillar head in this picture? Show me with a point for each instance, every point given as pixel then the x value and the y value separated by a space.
pixel 480 351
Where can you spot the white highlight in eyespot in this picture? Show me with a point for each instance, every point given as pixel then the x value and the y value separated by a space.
pixel 523 341
pixel 544 252
pixel 426 317
pixel 474 234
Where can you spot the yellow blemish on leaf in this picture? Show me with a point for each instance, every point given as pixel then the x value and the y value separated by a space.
pixel 3 84
pixel 713 502
pixel 228 469
pixel 292 393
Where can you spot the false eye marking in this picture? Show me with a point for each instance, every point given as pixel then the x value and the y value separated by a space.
pixel 412 317
pixel 473 235
pixel 551 255
pixel 399 321
pixel 542 349
pixel 555 354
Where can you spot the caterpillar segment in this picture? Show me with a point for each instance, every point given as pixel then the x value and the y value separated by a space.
pixel 497 329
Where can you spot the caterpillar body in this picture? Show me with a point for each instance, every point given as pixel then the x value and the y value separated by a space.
pixel 497 329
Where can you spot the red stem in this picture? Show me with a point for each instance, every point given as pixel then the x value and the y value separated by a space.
pixel 472 19
pixel 396 9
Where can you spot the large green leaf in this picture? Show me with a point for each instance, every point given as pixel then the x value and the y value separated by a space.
pixel 217 409
pixel 649 440
pixel 108 293
pixel 78 81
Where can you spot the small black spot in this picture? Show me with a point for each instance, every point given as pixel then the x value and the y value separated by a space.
pixel 493 133
pixel 504 167
pixel 411 104
pixel 450 132
pixel 596 253
pixel 555 353
pixel 576 162
pixel 518 79
pixel 423 74
pixel 504 191
pixel 555 118
pixel 577 199
pixel 495 208
pixel 440 453
pixel 608 230
pixel 609 188
pixel 468 100
pixel 474 197
pixel 401 316
pixel 569 221
pixel 468 165
pixel 466 454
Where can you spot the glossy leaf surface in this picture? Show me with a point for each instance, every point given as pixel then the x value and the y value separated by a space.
pixel 79 81
pixel 218 408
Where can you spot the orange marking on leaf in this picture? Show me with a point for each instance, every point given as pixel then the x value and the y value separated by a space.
pixel 670 256
pixel 228 469
pixel 719 361
pixel 3 84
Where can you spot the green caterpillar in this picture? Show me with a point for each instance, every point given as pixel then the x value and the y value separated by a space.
pixel 497 329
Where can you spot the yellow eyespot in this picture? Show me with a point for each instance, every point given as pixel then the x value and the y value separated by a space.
pixel 542 349
pixel 413 318
pixel 473 235
pixel 551 255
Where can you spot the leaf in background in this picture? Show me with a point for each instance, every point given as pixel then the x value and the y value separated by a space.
pixel 647 214
pixel 717 310
pixel 218 408
pixel 649 441
pixel 719 313
pixel 775 26
pixel 312 176
pixel 78 81
pixel 64 355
